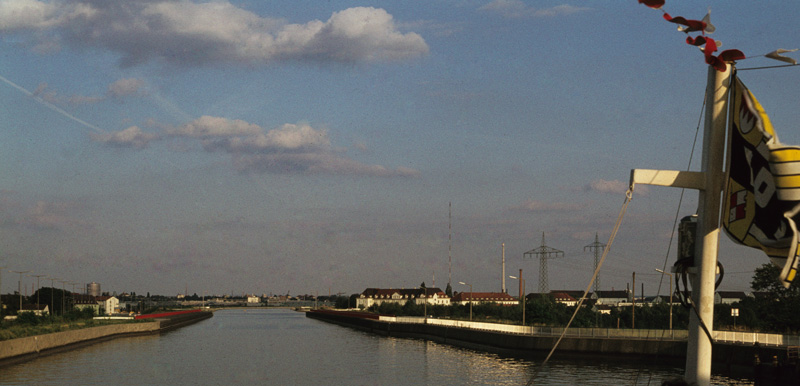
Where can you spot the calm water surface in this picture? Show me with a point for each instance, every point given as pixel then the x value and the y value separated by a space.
pixel 283 347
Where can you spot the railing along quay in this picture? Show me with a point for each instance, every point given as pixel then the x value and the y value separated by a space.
pixel 734 337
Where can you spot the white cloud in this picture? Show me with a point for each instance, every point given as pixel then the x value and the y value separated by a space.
pixel 365 33
pixel 287 137
pixel 516 9
pixel 539 206
pixel 291 136
pixel 208 127
pixel 50 216
pixel 131 137
pixel 125 87
pixel 119 89
pixel 291 148
pixel 195 33
pixel 29 14
pixel 314 163
pixel 614 186
pixel 361 146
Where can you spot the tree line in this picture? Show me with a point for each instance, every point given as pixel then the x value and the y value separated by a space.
pixel 775 309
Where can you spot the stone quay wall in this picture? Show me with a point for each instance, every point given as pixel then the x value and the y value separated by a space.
pixel 28 348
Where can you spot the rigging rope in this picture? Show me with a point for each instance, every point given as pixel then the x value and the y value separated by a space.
pixel 766 67
pixel 628 197
pixel 683 269
pixel 674 226
pixel 680 200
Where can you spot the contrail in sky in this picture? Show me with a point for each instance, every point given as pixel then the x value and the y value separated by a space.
pixel 52 106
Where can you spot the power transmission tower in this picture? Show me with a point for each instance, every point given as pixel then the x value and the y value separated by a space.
pixel 596 247
pixel 543 253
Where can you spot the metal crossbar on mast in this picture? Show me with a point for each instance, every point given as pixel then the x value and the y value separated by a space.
pixel 543 253
pixel 596 247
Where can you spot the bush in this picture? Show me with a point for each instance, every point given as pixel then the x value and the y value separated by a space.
pixel 28 318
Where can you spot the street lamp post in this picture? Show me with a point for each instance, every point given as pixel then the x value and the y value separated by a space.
pixel 38 290
pixel 470 299
pixel 52 295
pixel 670 299
pixel 19 285
pixel 425 304
pixel 523 297
pixel 63 284
pixel 73 293
pixel 1 292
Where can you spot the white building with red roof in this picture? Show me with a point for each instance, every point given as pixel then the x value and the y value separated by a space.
pixel 377 296
pixel 564 298
pixel 108 304
pixel 484 297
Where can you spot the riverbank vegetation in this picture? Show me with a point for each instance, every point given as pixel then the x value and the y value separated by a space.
pixel 29 324
pixel 772 309
pixel 66 315
pixel 544 311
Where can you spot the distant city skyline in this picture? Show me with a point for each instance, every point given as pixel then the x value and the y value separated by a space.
pixel 299 146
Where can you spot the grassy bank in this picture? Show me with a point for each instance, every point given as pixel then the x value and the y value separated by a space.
pixel 28 324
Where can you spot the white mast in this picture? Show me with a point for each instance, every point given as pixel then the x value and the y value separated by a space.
pixel 709 181
pixel 698 353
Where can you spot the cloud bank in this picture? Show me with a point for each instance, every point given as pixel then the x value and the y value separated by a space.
pixel 288 149
pixel 613 186
pixel 516 9
pixel 539 206
pixel 120 89
pixel 185 32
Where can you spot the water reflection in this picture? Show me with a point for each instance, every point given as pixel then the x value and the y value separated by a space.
pixel 283 347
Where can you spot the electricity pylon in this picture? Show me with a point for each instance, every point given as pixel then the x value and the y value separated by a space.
pixel 596 247
pixel 543 253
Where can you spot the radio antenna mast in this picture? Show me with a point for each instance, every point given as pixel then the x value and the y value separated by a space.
pixel 449 242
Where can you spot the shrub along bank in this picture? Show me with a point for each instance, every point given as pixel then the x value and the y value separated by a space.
pixel 29 324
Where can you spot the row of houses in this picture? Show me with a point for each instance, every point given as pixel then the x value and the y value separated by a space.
pixel 616 298
pixel 102 305
pixel 602 300
pixel 432 296
pixel 251 301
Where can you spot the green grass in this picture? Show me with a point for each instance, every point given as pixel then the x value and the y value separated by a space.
pixel 14 329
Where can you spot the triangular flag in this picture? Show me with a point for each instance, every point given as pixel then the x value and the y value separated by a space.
pixel 777 55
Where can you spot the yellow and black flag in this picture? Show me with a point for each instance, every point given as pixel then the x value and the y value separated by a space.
pixel 762 197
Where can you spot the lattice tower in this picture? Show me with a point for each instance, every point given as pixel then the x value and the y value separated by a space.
pixel 543 253
pixel 596 247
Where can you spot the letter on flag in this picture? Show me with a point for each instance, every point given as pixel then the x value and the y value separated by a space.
pixel 762 197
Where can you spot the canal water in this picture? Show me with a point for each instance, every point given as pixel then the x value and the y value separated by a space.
pixel 283 347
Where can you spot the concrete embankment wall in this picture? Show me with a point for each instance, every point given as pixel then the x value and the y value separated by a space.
pixel 179 320
pixel 492 340
pixel 666 349
pixel 24 349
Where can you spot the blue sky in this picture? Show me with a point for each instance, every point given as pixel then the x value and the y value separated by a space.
pixel 308 147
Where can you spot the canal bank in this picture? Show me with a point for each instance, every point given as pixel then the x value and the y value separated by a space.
pixel 24 349
pixel 651 346
pixel 284 347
